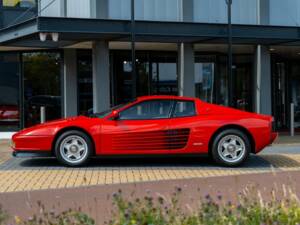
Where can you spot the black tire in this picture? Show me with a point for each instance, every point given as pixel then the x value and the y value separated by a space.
pixel 217 143
pixel 79 137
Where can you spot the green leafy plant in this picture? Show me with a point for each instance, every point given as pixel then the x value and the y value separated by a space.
pixel 3 216
pixel 251 209
pixel 70 217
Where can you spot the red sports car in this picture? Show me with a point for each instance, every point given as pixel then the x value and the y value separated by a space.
pixel 153 125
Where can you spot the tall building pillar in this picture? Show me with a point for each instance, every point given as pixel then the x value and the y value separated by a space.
pixel 263 96
pixel 101 79
pixel 186 56
pixel 70 107
pixel 186 70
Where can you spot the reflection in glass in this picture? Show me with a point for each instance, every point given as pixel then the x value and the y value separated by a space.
pixel 214 11
pixel 242 72
pixel 164 78
pixel 242 82
pixel 162 10
pixel 204 81
pixel 156 74
pixel 222 82
pixel 85 79
pixel 295 92
pixel 9 92
pixel 153 109
pixel 19 3
pixel 41 86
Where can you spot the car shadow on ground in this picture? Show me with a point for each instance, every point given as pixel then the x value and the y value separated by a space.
pixel 202 163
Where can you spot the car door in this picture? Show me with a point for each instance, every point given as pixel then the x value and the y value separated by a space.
pixel 140 129
pixel 186 121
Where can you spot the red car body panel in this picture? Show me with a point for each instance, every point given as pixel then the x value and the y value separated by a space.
pixel 183 135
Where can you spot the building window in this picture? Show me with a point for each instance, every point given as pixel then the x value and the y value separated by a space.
pixel 42 84
pixel 164 76
pixel 156 74
pixel 204 81
pixel 19 3
pixel 9 94
pixel 85 82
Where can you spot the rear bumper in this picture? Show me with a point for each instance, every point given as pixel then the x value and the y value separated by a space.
pixel 274 135
pixel 32 154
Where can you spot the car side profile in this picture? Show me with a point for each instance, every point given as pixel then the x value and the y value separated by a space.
pixel 151 125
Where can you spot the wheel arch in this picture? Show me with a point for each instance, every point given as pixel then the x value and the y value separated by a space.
pixel 233 126
pixel 65 129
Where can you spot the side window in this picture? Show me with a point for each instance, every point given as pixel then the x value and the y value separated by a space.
pixel 156 109
pixel 184 108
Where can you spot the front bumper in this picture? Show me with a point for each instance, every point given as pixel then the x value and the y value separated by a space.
pixel 32 154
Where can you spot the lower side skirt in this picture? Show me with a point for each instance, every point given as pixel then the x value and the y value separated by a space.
pixel 32 154
pixel 47 154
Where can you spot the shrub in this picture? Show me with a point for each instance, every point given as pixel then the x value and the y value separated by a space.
pixel 251 209
pixel 3 216
pixel 65 218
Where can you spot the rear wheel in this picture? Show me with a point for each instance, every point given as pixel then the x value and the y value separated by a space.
pixel 73 148
pixel 231 148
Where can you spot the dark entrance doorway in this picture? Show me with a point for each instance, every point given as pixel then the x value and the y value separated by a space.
pixel 285 90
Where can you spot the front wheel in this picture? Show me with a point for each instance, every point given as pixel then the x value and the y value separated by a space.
pixel 231 148
pixel 73 148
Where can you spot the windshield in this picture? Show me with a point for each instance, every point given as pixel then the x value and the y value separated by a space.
pixel 107 112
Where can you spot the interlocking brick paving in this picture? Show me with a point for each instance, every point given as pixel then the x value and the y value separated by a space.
pixel 35 174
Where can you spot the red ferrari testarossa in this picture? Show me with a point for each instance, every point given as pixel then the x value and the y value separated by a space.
pixel 152 125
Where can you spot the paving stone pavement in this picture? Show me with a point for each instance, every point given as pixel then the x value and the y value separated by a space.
pixel 35 174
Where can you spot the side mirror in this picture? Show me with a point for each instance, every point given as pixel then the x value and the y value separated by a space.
pixel 115 115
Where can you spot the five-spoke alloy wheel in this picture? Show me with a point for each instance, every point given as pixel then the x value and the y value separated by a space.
pixel 73 148
pixel 231 147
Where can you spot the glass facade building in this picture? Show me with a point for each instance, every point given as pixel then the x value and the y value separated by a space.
pixel 74 56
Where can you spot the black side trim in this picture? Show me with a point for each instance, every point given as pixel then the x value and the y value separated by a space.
pixel 31 154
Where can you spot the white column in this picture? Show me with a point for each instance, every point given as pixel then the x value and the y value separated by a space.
pixel 186 70
pixel 70 83
pixel 186 57
pixel 101 79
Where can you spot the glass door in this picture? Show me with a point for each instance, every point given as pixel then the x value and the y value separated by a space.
pixel 41 82
pixel 242 82
pixel 204 81
pixel 85 82
pixel 279 106
pixel 242 90
pixel 294 84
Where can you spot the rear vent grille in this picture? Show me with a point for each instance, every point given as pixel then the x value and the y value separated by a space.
pixel 154 140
